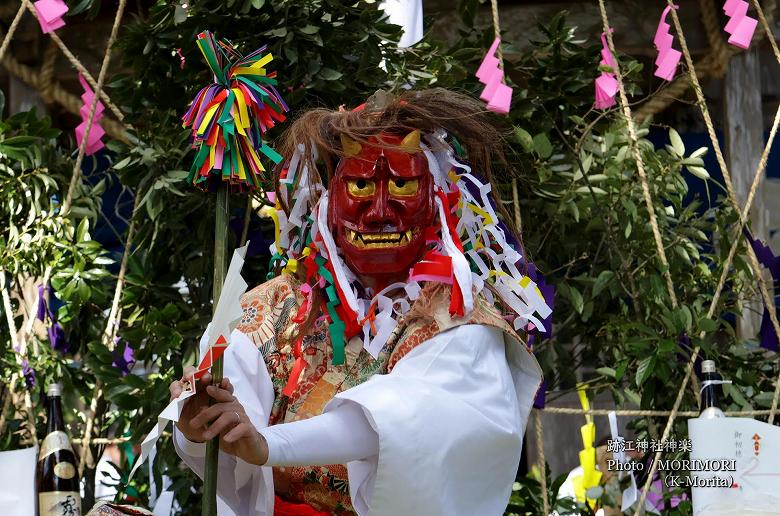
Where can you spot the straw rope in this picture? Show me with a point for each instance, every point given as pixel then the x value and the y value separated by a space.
pixel 724 169
pixel 18 355
pixel 103 441
pixel 74 180
pixel 51 91
pixel 11 30
pixel 537 424
pixel 497 32
pixel 640 166
pixel 47 72
pixel 649 413
pixel 710 18
pixel 542 462
pixel 114 315
pixel 765 26
pixel 500 56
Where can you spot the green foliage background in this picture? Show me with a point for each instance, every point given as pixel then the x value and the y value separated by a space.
pixel 584 221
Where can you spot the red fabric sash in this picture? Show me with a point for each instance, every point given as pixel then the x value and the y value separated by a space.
pixel 282 508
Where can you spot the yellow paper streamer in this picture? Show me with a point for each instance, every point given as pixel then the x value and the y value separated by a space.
pixel 277 229
pixel 291 267
pixel 479 211
pixel 590 477
pixel 262 62
pixel 207 118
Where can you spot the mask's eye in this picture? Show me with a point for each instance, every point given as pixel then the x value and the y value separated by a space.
pixel 361 187
pixel 403 187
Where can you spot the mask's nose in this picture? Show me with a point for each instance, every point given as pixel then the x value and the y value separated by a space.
pixel 380 215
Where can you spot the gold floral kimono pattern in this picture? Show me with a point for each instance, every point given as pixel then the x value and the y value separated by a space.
pixel 267 313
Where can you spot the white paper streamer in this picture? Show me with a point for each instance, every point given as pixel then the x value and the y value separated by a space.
pixel 631 493
pixel 226 316
pixel 460 266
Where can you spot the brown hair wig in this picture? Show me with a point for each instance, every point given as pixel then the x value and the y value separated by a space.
pixel 460 115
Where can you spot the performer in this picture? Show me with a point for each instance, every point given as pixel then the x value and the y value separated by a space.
pixel 381 372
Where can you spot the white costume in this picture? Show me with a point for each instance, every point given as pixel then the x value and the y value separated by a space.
pixel 439 435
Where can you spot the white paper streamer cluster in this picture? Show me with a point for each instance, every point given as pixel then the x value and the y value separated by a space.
pixel 488 249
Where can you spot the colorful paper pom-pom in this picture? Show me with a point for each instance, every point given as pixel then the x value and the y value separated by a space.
pixel 229 117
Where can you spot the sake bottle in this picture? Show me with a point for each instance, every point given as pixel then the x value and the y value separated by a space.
pixel 57 480
pixel 710 404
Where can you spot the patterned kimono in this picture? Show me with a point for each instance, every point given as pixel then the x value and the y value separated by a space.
pixel 267 320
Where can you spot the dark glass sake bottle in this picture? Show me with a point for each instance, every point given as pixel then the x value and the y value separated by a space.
pixel 57 479
pixel 710 403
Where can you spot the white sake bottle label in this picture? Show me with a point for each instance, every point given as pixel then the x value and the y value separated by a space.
pixel 59 503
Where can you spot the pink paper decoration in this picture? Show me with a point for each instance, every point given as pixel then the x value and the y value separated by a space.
pixel 740 26
pixel 606 84
pixel 96 133
pixel 50 13
pixel 497 94
pixel 668 58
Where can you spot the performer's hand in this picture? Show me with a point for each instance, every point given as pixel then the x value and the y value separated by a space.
pixel 227 418
pixel 194 404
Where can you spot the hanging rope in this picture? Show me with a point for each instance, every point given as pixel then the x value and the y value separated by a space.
pixel 47 72
pixel 74 180
pixel 542 463
pixel 11 31
pixel 500 56
pixel 497 32
pixel 640 166
pixel 114 316
pixel 765 26
pixel 19 354
pixel 646 413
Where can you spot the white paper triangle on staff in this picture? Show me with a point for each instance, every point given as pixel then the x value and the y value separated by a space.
pixel 226 317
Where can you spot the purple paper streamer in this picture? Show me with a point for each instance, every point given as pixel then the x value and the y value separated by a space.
pixel 57 338
pixel 765 256
pixel 42 308
pixel 125 360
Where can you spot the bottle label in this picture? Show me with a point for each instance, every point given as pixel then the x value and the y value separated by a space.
pixel 59 503
pixel 54 441
pixel 65 470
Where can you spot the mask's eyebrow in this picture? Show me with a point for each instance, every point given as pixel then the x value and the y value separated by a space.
pixel 356 167
pixel 406 168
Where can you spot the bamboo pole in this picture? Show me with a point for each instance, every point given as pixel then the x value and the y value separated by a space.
pixel 220 269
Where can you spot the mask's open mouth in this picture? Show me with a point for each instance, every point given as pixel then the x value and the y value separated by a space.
pixel 380 240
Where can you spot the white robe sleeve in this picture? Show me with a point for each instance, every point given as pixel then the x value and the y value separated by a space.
pixel 243 489
pixel 339 436
pixel 450 419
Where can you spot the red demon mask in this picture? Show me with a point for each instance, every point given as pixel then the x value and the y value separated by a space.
pixel 381 203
